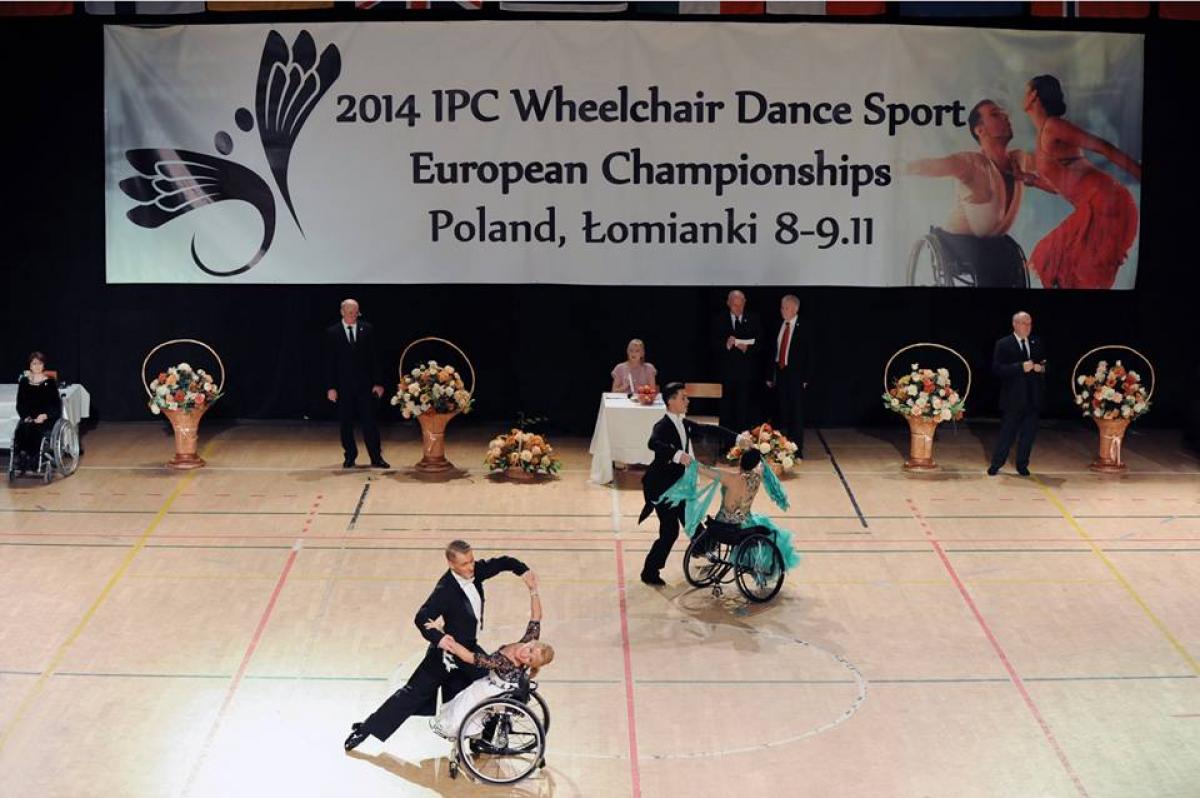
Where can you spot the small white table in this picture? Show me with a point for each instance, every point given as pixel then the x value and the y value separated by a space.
pixel 76 405
pixel 623 428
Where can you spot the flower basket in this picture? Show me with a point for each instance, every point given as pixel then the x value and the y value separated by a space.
pixel 777 451
pixel 433 394
pixel 183 395
pixel 1112 396
pixel 925 398
pixel 522 456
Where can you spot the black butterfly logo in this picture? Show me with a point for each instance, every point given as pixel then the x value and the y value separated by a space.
pixel 171 182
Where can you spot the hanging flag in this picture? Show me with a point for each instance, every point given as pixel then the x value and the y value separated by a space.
pixel 828 9
pixel 36 9
pixel 564 8
pixel 961 9
pixel 1093 9
pixel 1179 10
pixel 113 8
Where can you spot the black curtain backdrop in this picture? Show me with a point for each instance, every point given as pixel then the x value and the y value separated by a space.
pixel 544 350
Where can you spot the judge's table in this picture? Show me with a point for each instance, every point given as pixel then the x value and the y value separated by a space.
pixel 623 427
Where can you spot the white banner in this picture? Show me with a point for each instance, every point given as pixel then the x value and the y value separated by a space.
pixel 647 153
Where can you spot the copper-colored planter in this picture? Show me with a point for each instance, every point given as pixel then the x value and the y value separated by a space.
pixel 921 430
pixel 433 443
pixel 1112 435
pixel 186 424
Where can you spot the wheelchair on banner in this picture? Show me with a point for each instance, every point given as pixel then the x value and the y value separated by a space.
pixel 58 453
pixel 721 553
pixel 949 260
pixel 502 740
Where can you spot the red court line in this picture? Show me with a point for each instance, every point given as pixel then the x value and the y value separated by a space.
pixel 634 774
pixel 241 671
pixel 1013 676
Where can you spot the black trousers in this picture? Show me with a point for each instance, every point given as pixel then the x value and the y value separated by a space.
pixel 419 695
pixel 736 398
pixel 360 405
pixel 789 408
pixel 1020 425
pixel 30 434
pixel 669 519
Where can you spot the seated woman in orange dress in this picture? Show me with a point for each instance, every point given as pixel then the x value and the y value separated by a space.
pixel 1088 247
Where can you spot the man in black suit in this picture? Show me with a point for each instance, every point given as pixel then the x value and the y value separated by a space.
pixel 458 600
pixel 1019 362
pixel 736 336
pixel 672 442
pixel 352 372
pixel 790 372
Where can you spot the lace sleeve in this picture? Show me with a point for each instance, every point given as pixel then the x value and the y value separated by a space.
pixel 532 632
pixel 492 662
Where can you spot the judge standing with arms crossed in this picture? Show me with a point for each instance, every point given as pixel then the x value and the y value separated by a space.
pixel 1019 362
pixel 354 382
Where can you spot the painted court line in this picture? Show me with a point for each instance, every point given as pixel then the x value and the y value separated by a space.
pixel 853 501
pixel 60 653
pixel 1116 572
pixel 1013 676
pixel 634 772
pixel 241 671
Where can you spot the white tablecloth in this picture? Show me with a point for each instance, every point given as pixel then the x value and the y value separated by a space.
pixel 77 405
pixel 623 428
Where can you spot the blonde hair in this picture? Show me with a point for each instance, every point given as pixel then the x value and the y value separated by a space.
pixel 540 655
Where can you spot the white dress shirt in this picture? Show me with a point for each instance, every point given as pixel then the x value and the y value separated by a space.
pixel 734 320
pixel 1027 350
pixel 472 593
pixel 351 333
pixel 677 420
pixel 779 338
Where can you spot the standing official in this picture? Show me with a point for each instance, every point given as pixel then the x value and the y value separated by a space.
pixel 736 336
pixel 790 372
pixel 352 374
pixel 1019 362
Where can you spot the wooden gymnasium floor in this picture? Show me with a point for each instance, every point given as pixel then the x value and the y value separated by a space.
pixel 215 633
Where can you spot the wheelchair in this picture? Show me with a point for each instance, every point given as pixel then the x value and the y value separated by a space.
pixel 722 553
pixel 58 453
pixel 512 744
pixel 948 260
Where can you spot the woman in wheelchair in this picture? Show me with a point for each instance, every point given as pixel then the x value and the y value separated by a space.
pixel 38 406
pixel 505 668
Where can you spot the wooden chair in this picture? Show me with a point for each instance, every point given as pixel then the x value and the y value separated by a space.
pixel 706 391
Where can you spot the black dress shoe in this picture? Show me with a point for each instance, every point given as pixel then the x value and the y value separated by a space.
pixel 380 463
pixel 357 735
pixel 347 464
pixel 653 579
pixel 993 471
pixel 1023 471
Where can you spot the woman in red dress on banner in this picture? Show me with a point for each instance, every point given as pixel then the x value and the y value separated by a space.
pixel 1088 247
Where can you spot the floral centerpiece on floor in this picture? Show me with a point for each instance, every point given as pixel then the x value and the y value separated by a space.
pixel 1111 393
pixel 925 393
pixel 774 446
pixel 182 388
pixel 525 451
pixel 432 388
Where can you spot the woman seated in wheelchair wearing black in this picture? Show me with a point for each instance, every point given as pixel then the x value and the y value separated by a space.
pixel 38 406
pixel 734 520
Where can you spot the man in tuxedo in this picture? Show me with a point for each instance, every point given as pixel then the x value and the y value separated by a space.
pixel 458 600
pixel 790 372
pixel 1019 362
pixel 736 334
pixel 352 374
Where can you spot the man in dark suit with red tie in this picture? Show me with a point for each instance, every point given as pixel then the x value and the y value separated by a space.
pixel 1019 362
pixel 354 382
pixel 790 372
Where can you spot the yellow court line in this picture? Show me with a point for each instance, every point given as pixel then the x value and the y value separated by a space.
pixel 61 652
pixel 1162 627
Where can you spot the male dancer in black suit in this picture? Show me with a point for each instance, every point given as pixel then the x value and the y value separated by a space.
pixel 790 372
pixel 736 340
pixel 672 443
pixel 1019 362
pixel 352 374
pixel 458 600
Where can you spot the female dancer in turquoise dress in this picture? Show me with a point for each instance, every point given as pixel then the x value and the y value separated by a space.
pixel 738 490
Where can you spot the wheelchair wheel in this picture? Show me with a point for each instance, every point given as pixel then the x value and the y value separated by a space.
pixel 46 460
pixel 758 568
pixel 701 569
pixel 64 444
pixel 512 747
pixel 932 264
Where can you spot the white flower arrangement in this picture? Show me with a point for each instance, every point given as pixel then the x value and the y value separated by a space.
pixel 182 388
pixel 925 393
pixel 432 388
